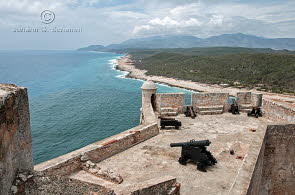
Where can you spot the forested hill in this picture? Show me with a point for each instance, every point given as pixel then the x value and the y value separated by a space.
pixel 266 69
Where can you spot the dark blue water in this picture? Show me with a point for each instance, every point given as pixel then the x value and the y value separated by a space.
pixel 76 98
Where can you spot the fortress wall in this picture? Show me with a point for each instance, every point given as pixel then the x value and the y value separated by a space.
pixel 157 186
pixel 210 99
pixel 279 160
pixel 41 184
pixel 278 112
pixel 270 164
pixel 175 100
pixel 244 98
pixel 15 135
pixel 251 167
pixel 256 99
pixel 98 151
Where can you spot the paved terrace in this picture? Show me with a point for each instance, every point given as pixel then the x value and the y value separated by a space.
pixel 154 158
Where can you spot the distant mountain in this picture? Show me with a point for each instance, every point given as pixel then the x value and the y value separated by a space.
pixel 250 41
pixel 185 41
pixel 93 48
pixel 178 41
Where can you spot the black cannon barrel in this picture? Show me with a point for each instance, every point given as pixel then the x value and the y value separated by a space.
pixel 194 143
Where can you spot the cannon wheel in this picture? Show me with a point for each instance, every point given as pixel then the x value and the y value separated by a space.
pixel 201 167
pixel 182 161
pixel 233 111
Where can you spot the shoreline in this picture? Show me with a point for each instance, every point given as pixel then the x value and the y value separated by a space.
pixel 125 64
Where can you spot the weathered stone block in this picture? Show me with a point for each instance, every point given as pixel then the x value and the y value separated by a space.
pixel 15 135
pixel 209 100
pixel 278 112
pixel 170 100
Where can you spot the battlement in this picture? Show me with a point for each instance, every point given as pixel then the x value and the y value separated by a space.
pixel 140 161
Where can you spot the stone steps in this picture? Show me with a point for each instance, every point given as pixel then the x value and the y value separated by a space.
pixel 169 113
pixel 169 109
pixel 245 107
pixel 209 108
pixel 246 110
pixel 211 112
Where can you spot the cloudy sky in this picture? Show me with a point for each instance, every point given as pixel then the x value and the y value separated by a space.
pixel 112 21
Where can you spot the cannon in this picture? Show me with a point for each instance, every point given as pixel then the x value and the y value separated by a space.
pixel 170 122
pixel 256 112
pixel 190 112
pixel 197 152
pixel 234 108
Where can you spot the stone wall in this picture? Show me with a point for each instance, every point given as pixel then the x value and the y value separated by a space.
pixel 40 184
pixel 174 100
pixel 209 99
pixel 278 112
pixel 256 177
pixel 15 135
pixel 249 175
pixel 271 169
pixel 256 99
pixel 98 151
pixel 279 160
pixel 157 186
pixel 244 98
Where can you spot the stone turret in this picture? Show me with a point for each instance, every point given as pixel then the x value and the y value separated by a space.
pixel 147 112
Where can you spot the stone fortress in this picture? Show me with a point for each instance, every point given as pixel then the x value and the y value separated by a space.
pixel 140 160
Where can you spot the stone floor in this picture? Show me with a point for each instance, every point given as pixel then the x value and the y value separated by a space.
pixel 155 158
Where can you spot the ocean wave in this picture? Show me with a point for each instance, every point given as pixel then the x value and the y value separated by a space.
pixel 114 64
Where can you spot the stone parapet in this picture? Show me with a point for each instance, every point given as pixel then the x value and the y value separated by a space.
pixel 278 112
pixel 158 186
pixel 209 100
pixel 170 100
pixel 98 151
pixel 268 167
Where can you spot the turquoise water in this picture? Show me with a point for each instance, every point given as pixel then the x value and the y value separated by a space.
pixel 76 98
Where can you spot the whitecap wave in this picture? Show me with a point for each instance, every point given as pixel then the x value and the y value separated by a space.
pixel 114 64
pixel 123 75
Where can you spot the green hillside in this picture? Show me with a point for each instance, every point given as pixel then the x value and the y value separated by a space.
pixel 250 67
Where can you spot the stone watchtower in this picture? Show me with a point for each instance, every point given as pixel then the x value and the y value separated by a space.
pixel 147 115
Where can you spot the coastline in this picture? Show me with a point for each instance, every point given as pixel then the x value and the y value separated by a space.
pixel 125 64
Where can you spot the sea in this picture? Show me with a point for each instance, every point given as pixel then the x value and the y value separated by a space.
pixel 76 97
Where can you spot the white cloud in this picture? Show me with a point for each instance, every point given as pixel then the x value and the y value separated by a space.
pixel 108 21
pixel 204 18
pixel 216 20
pixel 166 25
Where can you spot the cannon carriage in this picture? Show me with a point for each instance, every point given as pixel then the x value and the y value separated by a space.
pixel 197 152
